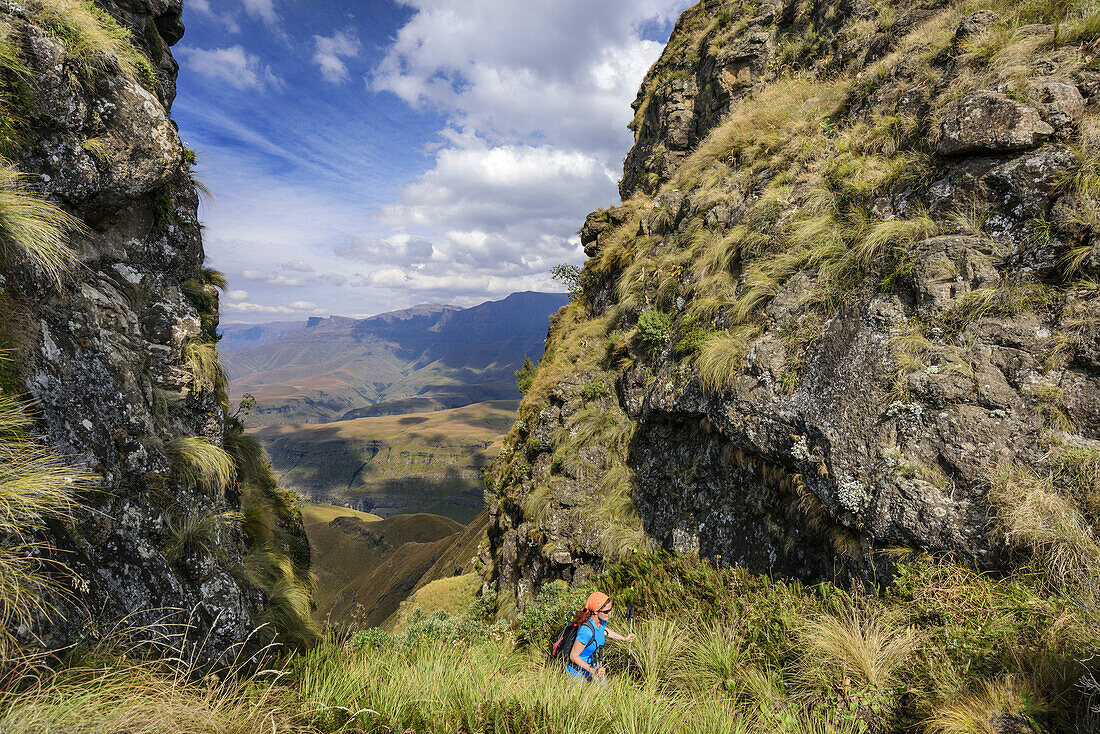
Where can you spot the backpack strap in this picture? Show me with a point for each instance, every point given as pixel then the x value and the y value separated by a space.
pixel 568 653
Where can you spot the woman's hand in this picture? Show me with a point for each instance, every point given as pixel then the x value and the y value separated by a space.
pixel 601 672
pixel 629 638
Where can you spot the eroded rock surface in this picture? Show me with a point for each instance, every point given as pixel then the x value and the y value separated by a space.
pixel 102 354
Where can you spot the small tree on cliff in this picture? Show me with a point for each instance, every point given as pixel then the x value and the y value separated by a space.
pixel 525 375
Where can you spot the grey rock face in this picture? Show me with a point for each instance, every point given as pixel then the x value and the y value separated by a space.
pixel 103 355
pixel 967 346
pixel 990 121
pixel 674 112
pixel 1060 99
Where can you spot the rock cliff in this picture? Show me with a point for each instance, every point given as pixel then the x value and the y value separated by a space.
pixel 117 357
pixel 853 276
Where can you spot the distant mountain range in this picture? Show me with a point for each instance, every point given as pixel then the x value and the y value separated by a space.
pixel 423 358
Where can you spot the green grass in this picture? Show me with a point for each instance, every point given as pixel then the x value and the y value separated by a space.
pixel 94 40
pixel 451 596
pixel 945 649
pixel 34 230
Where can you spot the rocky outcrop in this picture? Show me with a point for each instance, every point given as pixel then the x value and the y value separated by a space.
pixel 851 288
pixel 990 121
pixel 103 353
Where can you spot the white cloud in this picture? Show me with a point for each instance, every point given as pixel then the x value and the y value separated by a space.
pixel 236 295
pixel 329 52
pixel 535 99
pixel 297 307
pixel 202 6
pixel 263 276
pixel 233 65
pixel 397 248
pixel 567 70
pixel 262 9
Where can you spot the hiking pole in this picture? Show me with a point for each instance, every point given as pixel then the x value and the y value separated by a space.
pixel 630 616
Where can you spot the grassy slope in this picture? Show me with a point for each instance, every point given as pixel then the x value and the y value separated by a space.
pixel 348 546
pixel 452 595
pixel 372 597
pixel 458 561
pixel 422 462
pixel 718 650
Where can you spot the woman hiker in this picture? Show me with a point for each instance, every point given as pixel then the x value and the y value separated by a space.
pixel 585 658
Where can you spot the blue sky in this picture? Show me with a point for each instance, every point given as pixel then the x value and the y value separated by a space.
pixel 368 156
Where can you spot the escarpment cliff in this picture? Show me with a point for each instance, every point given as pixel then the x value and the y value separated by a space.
pixel 115 348
pixel 847 308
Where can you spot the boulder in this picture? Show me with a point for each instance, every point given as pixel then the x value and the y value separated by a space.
pixel 989 121
pixel 1061 103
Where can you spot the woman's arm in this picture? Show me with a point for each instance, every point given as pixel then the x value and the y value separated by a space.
pixel 575 658
pixel 616 636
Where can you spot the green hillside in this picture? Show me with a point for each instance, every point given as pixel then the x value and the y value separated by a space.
pixel 390 465
pixel 348 546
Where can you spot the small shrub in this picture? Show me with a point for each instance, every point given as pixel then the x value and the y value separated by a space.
pixel 371 638
pixel 553 606
pixel 653 327
pixel 570 277
pixel 594 390
pixel 692 338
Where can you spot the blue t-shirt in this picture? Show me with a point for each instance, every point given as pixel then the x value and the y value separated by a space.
pixel 591 635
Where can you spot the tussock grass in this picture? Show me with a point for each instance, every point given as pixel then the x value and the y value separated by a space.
pixel 93 38
pixel 34 229
pixel 216 278
pixel 657 651
pixel 137 698
pixel 247 453
pixel 206 369
pixel 715 654
pixel 35 487
pixel 722 355
pixel 536 506
pixel 1035 516
pixel 201 463
pixel 197 533
pixel 868 649
pixel 1013 296
pixel 981 711
pixel 144 680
